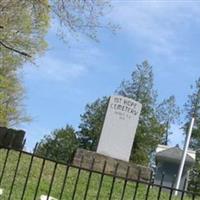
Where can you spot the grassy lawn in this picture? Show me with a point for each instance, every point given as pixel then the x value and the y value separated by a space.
pixel 70 182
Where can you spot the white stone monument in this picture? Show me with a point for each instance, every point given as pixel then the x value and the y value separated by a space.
pixel 45 197
pixel 1 191
pixel 119 127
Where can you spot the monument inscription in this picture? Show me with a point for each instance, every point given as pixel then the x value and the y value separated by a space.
pixel 119 127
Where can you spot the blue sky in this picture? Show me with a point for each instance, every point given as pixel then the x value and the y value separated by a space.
pixel 166 33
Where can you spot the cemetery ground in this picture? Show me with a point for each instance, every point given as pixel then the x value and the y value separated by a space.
pixel 71 190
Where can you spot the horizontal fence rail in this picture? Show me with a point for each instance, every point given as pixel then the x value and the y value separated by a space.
pixel 27 176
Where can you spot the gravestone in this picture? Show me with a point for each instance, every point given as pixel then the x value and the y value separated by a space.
pixel 3 132
pixel 11 138
pixel 119 128
pixel 116 141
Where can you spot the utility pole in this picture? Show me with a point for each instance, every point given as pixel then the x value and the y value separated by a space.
pixel 181 167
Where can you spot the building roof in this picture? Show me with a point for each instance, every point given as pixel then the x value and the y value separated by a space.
pixel 173 155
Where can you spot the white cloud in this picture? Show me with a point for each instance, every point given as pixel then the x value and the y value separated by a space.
pixel 58 70
pixel 156 25
pixel 67 64
pixel 53 69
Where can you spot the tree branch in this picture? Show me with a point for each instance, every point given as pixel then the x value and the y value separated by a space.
pixel 15 50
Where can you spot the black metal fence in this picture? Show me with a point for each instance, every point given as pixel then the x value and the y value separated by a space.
pixel 27 176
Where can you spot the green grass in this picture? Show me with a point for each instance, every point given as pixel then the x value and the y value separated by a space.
pixel 71 179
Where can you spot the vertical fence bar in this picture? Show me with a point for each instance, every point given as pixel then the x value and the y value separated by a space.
pixel 113 181
pixel 40 175
pixel 160 186
pixel 52 180
pixel 6 158
pixel 172 188
pixel 64 182
pixel 149 185
pixel 194 195
pixel 101 180
pixel 125 182
pixel 28 173
pixel 39 180
pixel 4 165
pixel 77 178
pixel 89 178
pixel 184 187
pixel 16 170
pixel 137 184
pixel 54 171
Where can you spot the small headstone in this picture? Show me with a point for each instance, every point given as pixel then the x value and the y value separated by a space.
pixel 119 127
pixel 3 131
pixel 11 138
pixel 1 191
pixel 45 197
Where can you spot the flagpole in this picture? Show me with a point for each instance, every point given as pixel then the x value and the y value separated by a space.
pixel 181 167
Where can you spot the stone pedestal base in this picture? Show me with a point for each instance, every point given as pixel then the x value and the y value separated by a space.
pixel 87 158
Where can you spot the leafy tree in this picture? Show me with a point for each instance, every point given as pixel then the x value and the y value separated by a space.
pixel 91 123
pixel 11 94
pixel 59 145
pixel 23 26
pixel 192 108
pixel 81 17
pixel 168 113
pixel 150 130
pixel 24 23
